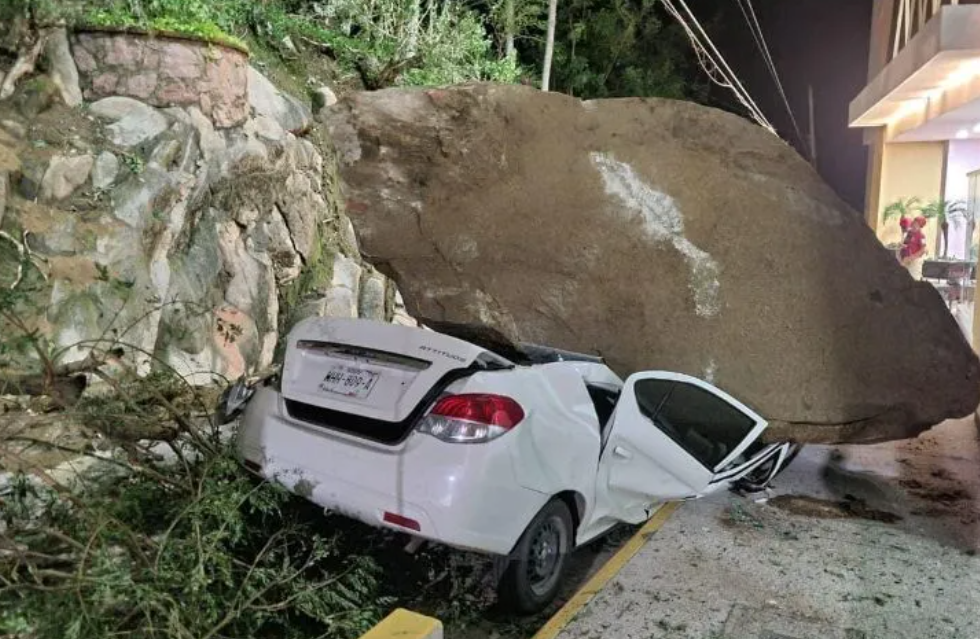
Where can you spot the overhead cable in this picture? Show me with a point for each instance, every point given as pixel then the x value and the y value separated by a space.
pixel 713 63
pixel 748 12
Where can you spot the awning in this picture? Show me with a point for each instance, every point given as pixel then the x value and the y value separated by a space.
pixel 931 89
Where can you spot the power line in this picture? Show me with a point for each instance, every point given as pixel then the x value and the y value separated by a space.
pixel 711 67
pixel 760 41
pixel 713 63
pixel 730 79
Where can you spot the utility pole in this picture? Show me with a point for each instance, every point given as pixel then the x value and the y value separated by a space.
pixel 813 135
pixel 549 45
pixel 509 28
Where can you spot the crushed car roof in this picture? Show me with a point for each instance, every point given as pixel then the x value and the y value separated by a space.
pixel 496 342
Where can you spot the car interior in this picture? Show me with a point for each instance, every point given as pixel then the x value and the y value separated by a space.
pixel 701 423
pixel 604 399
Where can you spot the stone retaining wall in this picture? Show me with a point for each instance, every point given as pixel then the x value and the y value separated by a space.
pixel 178 210
pixel 164 71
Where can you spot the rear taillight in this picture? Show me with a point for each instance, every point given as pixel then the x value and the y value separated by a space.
pixel 471 418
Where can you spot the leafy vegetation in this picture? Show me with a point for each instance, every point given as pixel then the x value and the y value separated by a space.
pixel 203 553
pixel 385 41
pixel 166 534
pixel 944 211
pixel 619 48
pixel 195 23
pixel 902 207
pixel 603 48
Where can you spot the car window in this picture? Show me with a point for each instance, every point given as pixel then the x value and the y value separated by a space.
pixel 650 395
pixel 702 423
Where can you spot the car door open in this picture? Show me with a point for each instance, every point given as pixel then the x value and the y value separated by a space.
pixel 674 437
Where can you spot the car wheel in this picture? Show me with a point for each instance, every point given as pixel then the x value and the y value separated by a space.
pixel 538 563
pixel 760 478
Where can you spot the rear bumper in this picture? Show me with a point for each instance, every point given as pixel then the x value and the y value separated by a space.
pixel 460 495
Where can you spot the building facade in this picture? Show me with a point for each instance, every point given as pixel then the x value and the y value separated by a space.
pixel 920 112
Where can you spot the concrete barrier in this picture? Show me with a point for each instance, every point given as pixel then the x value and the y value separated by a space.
pixel 405 624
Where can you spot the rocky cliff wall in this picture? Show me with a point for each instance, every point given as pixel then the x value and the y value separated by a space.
pixel 161 193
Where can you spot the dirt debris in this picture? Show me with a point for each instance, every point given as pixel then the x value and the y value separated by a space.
pixel 849 507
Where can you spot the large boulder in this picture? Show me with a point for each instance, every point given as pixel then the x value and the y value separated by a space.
pixel 659 234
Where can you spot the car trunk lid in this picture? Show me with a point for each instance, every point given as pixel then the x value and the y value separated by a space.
pixel 370 369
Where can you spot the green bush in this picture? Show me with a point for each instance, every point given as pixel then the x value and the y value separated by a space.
pixel 411 42
pixel 204 552
pixel 459 50
pixel 198 18
pixel 386 41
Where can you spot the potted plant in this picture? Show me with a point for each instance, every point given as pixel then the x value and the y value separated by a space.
pixel 943 211
pixel 904 208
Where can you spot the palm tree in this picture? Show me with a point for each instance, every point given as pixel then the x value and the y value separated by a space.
pixel 902 207
pixel 943 211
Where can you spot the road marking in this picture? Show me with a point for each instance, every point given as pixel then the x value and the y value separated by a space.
pixel 610 569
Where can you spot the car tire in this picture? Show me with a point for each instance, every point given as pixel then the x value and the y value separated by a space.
pixel 538 563
pixel 760 478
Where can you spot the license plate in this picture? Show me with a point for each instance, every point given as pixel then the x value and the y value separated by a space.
pixel 349 381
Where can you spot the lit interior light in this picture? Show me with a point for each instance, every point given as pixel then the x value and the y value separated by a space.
pixel 908 107
pixel 976 127
pixel 955 79
pixel 962 133
pixel 964 74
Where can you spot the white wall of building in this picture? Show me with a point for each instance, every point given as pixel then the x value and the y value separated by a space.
pixel 962 158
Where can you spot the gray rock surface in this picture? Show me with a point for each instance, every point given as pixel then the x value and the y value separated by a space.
pixel 64 175
pixel 400 315
pixel 659 234
pixel 266 128
pixel 117 107
pixel 371 302
pixel 16 129
pixel 339 302
pixel 105 170
pixel 61 67
pixel 291 114
pixel 136 200
pixel 301 204
pixel 133 121
pixel 341 299
pixel 211 142
pixel 187 237
pixel 346 273
pixel 323 98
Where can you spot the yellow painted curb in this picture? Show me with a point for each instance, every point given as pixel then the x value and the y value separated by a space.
pixel 405 624
pixel 610 569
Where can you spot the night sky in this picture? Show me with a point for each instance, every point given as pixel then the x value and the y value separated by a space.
pixel 819 42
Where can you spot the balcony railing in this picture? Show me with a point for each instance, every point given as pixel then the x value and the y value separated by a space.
pixel 910 16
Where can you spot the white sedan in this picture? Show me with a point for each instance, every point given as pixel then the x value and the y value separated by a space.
pixel 518 451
